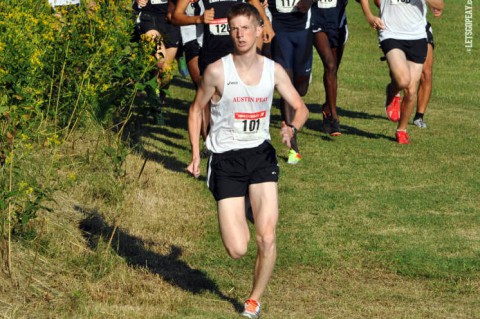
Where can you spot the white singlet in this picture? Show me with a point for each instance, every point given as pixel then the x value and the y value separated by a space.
pixel 193 31
pixel 241 118
pixel 403 19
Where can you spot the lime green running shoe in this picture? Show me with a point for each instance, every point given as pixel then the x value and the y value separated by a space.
pixel 294 157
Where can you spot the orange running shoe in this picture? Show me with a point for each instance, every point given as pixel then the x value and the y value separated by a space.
pixel 393 109
pixel 402 137
pixel 252 309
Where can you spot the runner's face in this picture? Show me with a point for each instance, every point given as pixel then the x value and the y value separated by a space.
pixel 244 32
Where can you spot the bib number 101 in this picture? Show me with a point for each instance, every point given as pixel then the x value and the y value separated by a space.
pixel 251 125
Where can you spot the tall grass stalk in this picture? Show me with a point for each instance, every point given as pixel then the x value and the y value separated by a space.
pixel 60 83
pixel 9 217
pixel 85 75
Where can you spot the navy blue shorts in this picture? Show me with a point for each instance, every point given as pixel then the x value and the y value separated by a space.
pixel 293 51
pixel 336 37
pixel 229 174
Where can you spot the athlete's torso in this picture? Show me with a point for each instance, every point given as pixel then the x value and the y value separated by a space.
pixel 241 118
pixel 285 16
pixel 329 14
pixel 403 19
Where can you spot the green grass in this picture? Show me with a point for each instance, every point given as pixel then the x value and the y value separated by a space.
pixel 362 203
pixel 368 228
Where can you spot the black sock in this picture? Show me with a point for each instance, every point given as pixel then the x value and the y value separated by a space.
pixel 418 116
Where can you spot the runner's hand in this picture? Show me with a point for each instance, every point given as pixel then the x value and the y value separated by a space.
pixel 287 134
pixel 208 16
pixel 268 32
pixel 194 167
pixel 376 23
pixel 142 3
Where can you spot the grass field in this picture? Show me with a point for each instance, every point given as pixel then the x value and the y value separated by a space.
pixel 368 228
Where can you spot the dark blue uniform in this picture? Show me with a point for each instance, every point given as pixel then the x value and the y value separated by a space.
pixel 329 16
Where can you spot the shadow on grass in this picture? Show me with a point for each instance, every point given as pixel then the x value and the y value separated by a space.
pixel 317 108
pixel 170 267
pixel 317 125
pixel 156 141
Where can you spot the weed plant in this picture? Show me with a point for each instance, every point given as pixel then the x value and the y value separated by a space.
pixel 60 70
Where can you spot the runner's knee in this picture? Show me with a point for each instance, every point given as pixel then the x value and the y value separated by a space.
pixel 266 242
pixel 236 251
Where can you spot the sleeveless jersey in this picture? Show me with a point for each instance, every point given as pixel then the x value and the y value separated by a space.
pixel 403 19
pixel 286 18
pixel 193 31
pixel 329 14
pixel 241 118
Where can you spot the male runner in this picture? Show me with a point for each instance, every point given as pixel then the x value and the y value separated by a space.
pixel 425 87
pixel 402 36
pixel 216 39
pixel 155 23
pixel 292 49
pixel 330 33
pixel 240 87
pixel 192 40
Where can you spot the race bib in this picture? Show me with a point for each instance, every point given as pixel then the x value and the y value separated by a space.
pixel 326 4
pixel 400 1
pixel 219 27
pixel 249 126
pixel 286 6
pixel 158 1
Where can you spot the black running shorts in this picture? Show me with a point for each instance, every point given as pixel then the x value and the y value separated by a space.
pixel 229 174
pixel 415 50
pixel 191 49
pixel 430 35
pixel 169 32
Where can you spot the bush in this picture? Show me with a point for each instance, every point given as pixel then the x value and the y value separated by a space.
pixel 59 68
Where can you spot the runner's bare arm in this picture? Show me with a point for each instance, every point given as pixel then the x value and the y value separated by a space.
pixel 179 16
pixel 211 80
pixel 373 20
pixel 268 32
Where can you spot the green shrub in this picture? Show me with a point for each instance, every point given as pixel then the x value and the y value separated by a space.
pixel 59 68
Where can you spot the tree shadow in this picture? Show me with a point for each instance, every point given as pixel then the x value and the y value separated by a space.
pixel 148 138
pixel 133 249
pixel 185 83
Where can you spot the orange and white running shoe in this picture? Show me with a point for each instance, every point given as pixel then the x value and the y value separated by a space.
pixel 252 309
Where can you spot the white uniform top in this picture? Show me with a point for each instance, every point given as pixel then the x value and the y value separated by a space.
pixel 403 19
pixel 56 3
pixel 193 31
pixel 241 118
